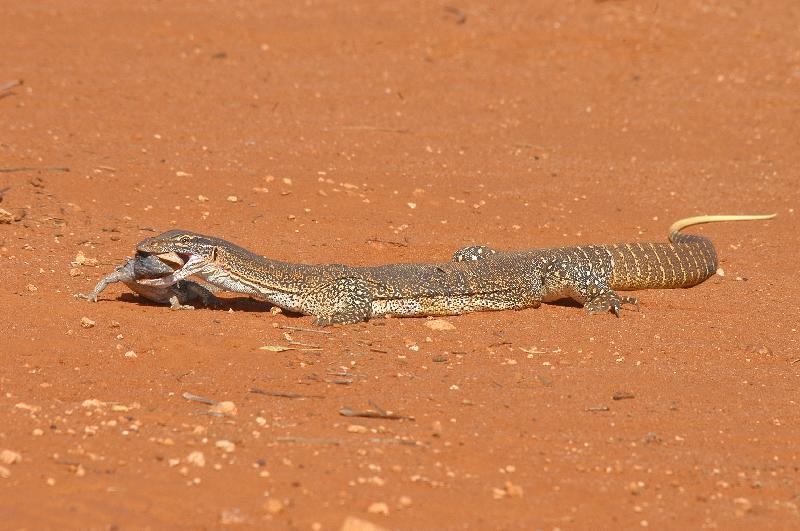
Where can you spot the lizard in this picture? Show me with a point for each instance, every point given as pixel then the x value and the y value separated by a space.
pixel 143 266
pixel 478 278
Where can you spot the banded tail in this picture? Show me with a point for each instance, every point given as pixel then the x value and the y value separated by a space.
pixel 687 260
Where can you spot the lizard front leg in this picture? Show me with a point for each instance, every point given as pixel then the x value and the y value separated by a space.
pixel 340 301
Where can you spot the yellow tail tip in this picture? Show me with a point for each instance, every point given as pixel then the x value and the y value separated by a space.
pixel 697 220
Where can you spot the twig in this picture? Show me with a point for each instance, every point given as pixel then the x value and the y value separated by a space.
pixel 298 329
pixel 388 242
pixel 461 17
pixel 622 395
pixel 390 440
pixel 31 168
pixel 198 398
pixel 303 440
pixel 370 414
pixel 283 394
pixel 11 84
pixel 374 128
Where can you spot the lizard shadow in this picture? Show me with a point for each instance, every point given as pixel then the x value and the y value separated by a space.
pixel 566 302
pixel 237 304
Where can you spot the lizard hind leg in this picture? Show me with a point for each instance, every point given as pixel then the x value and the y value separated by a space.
pixel 585 284
pixel 473 252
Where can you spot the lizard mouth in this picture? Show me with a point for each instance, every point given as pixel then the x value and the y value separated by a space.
pixel 183 265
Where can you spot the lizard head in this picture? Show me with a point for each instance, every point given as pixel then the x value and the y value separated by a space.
pixel 183 252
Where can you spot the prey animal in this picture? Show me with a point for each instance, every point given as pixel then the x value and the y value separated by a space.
pixel 478 278
pixel 144 266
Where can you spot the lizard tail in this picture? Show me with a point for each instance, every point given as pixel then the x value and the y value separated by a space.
pixel 687 260
pixel 678 226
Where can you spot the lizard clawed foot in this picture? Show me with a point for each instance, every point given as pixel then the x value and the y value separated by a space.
pixel 609 301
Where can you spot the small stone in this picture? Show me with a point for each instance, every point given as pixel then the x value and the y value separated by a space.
pixel 357 428
pixel 436 428
pixel 74 272
pixel 202 198
pixel 182 174
pixel 9 457
pixel 87 323
pixel 31 288
pixel 378 508
pixel 225 445
pixel 130 354
pixel 412 206
pixel 232 198
pixel 273 506
pixel 4 473
pixel 439 325
pixel 352 523
pixel 6 216
pixel 743 506
pixel 196 458
pixel 37 432
pixel 225 408
pixel 514 491
pixel 720 272
pixel 232 516
pixel 404 502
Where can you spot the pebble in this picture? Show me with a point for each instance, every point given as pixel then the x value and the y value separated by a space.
pixel 226 445
pixel 232 198
pixel 378 508
pixel 352 523
pixel 404 502
pixel 357 428
pixel 439 325
pixel 436 428
pixel 130 354
pixel 4 473
pixel 226 408
pixel 31 287
pixel 9 457
pixel 87 323
pixel 232 516
pixel 196 458
pixel 273 506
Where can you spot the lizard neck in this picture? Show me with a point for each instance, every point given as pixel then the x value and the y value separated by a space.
pixel 281 283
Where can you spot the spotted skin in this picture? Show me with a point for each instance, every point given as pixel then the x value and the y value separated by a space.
pixel 477 279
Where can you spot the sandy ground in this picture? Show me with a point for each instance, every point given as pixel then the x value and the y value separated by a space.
pixel 375 132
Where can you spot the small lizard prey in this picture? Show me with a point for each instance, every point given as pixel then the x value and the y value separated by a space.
pixel 144 266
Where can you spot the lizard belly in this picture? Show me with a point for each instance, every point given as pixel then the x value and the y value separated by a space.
pixel 450 304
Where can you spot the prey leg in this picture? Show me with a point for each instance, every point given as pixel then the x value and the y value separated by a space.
pixel 119 275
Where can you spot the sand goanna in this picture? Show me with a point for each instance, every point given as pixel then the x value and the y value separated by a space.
pixel 478 278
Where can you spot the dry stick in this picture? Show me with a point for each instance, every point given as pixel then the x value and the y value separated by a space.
pixel 298 329
pixel 11 84
pixel 283 394
pixel 374 128
pixel 349 412
pixel 198 398
pixel 30 168
pixel 303 440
